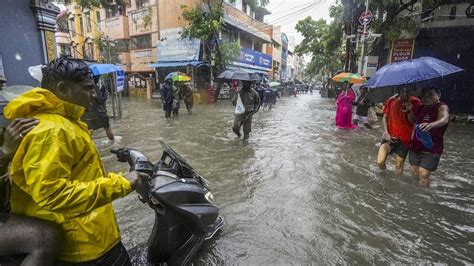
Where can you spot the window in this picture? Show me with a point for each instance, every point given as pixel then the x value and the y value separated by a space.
pixel 64 49
pixel 115 11
pixel 140 42
pixel 62 24
pixel 142 3
pixel 99 25
pixel 122 45
pixel 72 27
pixel 87 21
pixel 81 21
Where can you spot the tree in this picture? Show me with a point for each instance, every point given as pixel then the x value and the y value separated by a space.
pixel 206 25
pixel 322 41
pixel 89 4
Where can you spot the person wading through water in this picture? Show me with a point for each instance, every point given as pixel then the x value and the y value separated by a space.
pixel 251 101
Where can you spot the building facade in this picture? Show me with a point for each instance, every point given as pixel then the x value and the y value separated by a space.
pixel 27 38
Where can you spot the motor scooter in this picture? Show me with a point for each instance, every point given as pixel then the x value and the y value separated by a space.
pixel 185 213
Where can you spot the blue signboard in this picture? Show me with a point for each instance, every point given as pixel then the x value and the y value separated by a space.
pixel 120 80
pixel 178 50
pixel 254 58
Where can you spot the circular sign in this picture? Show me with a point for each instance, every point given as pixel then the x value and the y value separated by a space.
pixel 365 18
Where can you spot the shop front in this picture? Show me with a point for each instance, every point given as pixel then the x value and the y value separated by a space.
pixel 182 55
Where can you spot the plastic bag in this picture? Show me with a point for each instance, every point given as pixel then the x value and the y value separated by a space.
pixel 372 116
pixel 239 107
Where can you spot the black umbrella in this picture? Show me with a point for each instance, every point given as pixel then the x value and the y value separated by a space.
pixel 239 74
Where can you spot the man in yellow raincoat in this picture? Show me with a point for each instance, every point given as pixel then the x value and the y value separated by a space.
pixel 57 174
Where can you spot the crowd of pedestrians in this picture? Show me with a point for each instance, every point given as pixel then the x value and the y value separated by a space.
pixel 411 126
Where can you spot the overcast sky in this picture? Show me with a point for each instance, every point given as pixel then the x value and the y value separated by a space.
pixel 288 12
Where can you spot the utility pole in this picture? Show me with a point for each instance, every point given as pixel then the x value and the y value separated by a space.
pixel 362 40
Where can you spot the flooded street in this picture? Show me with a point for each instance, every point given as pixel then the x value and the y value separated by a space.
pixel 300 191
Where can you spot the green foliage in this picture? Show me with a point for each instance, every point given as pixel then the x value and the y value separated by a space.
pixel 89 4
pixel 108 52
pixel 147 18
pixel 322 41
pixel 230 52
pixel 204 25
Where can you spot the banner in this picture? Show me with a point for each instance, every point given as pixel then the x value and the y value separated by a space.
pixel 120 80
pixel 178 50
pixel 254 58
pixel 402 49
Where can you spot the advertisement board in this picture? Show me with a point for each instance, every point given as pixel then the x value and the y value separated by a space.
pixel 402 49
pixel 254 58
pixel 178 50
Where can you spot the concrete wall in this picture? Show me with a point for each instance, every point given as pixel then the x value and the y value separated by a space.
pixel 20 43
pixel 171 12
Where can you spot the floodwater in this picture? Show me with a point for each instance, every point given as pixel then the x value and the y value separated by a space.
pixel 300 191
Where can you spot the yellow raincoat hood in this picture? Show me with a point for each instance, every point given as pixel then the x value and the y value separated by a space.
pixel 57 175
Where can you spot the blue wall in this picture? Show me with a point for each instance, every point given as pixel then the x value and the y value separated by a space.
pixel 20 41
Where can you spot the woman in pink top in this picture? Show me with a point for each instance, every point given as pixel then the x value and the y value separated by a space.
pixel 344 107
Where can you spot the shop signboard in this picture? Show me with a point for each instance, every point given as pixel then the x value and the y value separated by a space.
pixel 178 50
pixel 120 80
pixel 254 58
pixel 402 49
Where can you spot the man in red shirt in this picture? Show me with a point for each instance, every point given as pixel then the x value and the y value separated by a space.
pixel 397 128
pixel 427 142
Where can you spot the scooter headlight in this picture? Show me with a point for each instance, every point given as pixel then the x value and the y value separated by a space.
pixel 209 197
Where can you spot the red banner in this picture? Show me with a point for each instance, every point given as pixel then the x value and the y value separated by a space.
pixel 402 49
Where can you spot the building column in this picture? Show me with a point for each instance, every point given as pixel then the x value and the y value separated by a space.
pixel 46 13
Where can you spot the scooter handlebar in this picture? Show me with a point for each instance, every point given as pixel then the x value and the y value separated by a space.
pixel 136 160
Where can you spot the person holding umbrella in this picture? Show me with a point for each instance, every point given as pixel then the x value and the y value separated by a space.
pixel 344 107
pixel 251 103
pixel 398 127
pixel 167 97
pixel 431 120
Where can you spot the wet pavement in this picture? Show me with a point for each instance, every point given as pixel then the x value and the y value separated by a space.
pixel 300 191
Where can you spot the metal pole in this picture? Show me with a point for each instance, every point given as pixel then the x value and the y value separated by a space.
pixel 362 39
pixel 113 99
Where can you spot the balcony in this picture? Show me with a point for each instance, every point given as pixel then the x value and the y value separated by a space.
pixel 116 27
pixel 143 21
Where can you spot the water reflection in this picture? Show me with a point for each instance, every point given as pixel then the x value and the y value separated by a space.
pixel 300 191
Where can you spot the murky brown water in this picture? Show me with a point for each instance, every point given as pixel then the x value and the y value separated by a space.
pixel 301 192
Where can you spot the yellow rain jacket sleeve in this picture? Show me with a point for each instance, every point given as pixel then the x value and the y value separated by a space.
pixel 51 184
pixel 57 175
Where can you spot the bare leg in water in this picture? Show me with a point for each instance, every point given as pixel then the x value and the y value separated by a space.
pixel 108 132
pixel 38 239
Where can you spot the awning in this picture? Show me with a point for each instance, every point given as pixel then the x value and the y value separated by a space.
pixel 100 69
pixel 248 68
pixel 179 63
pixel 247 28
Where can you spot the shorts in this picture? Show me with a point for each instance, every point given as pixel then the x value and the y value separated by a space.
pixel 96 123
pixel 398 148
pixel 426 160
pixel 363 119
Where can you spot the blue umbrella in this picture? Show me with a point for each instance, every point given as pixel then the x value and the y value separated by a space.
pixel 411 72
pixel 100 69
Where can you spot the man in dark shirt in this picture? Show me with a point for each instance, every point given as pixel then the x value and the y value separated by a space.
pixel 251 101
pixel 362 107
